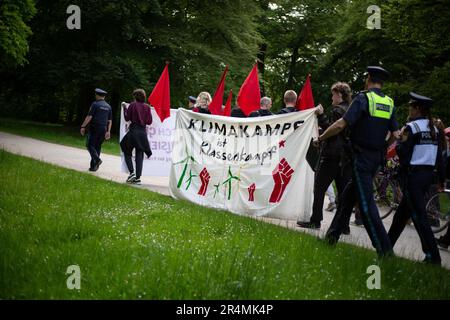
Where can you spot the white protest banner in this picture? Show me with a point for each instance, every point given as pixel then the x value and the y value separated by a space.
pixel 249 166
pixel 160 138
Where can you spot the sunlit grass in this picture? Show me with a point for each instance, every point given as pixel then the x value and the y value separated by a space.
pixel 135 244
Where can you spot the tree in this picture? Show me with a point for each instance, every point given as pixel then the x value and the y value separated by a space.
pixel 14 31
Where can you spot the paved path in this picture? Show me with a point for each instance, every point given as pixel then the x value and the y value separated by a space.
pixel 78 159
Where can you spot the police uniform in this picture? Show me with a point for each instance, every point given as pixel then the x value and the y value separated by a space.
pixel 260 113
pixel 419 155
pixel 101 113
pixel 370 116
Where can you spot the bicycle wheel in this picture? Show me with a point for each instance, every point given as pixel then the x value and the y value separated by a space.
pixel 387 196
pixel 438 208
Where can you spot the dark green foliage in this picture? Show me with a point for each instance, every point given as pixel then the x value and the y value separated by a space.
pixel 14 31
pixel 125 44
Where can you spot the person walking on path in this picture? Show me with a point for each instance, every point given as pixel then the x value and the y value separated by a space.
pixel 370 117
pixel 99 120
pixel 139 113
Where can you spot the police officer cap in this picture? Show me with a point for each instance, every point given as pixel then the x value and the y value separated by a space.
pixel 100 92
pixel 420 100
pixel 192 99
pixel 378 72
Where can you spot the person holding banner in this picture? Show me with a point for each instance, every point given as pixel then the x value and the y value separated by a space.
pixel 290 99
pixel 334 162
pixel 203 101
pixel 370 117
pixel 264 110
pixel 139 113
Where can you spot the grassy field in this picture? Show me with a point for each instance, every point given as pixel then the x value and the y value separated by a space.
pixel 134 244
pixel 55 133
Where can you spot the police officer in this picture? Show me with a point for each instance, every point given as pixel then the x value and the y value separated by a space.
pixel 264 110
pixel 99 119
pixel 370 117
pixel 290 99
pixel 420 153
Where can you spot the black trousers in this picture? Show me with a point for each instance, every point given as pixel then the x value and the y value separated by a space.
pixel 413 205
pixel 328 170
pixel 139 158
pixel 446 236
pixel 94 141
pixel 365 166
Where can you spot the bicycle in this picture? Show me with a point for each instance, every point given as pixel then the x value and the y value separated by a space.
pixel 438 210
pixel 387 190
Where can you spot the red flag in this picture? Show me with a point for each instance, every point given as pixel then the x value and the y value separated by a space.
pixel 249 95
pixel 227 110
pixel 160 96
pixel 216 104
pixel 305 99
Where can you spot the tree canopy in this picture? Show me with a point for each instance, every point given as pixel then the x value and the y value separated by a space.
pixel 48 72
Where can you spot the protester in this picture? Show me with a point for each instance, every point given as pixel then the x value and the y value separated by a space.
pixel 237 112
pixel 202 103
pixel 290 99
pixel 99 120
pixel 139 113
pixel 265 105
pixel 419 152
pixel 370 116
pixel 334 162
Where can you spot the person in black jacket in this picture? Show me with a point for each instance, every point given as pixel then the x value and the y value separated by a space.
pixel 333 162
pixel 264 110
pixel 290 99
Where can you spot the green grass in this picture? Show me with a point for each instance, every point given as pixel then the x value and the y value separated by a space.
pixel 69 136
pixel 131 243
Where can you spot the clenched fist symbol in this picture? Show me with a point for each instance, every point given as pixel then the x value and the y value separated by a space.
pixel 204 178
pixel 251 192
pixel 281 176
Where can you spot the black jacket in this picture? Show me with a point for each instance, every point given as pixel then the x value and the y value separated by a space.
pixel 287 110
pixel 334 146
pixel 260 113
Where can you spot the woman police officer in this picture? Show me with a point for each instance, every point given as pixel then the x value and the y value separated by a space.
pixel 419 153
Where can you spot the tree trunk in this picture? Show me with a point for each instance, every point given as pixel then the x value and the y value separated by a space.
pixel 292 67
pixel 261 66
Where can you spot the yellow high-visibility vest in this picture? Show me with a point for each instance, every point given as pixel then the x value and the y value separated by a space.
pixel 380 107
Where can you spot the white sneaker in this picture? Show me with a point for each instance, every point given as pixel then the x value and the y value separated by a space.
pixel 131 178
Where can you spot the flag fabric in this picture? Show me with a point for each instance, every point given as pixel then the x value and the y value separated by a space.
pixel 227 110
pixel 160 96
pixel 249 95
pixel 305 99
pixel 215 107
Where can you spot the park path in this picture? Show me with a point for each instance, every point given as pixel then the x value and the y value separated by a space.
pixel 408 245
